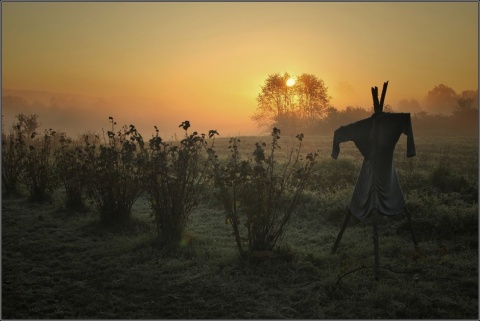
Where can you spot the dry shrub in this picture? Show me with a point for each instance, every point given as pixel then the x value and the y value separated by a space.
pixel 259 195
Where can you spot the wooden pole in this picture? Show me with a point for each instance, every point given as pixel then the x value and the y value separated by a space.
pixel 340 234
pixel 375 245
pixel 384 92
pixel 409 219
pixel 376 103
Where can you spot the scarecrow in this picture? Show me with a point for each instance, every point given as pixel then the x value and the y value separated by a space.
pixel 377 189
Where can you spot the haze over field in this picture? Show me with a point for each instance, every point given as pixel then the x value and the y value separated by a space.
pixel 149 64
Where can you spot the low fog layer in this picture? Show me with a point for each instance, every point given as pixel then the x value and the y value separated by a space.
pixel 76 114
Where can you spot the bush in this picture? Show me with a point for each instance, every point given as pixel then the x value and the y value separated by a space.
pixel 117 178
pixel 73 170
pixel 177 177
pixel 260 192
pixel 13 153
pixel 38 167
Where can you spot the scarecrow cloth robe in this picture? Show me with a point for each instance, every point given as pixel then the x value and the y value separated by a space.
pixel 377 185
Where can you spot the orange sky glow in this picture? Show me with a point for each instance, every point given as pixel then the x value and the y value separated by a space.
pixel 155 63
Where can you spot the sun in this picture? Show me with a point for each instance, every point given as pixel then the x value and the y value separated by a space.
pixel 291 81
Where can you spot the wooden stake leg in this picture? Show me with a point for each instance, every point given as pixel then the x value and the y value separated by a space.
pixel 409 219
pixel 340 234
pixel 375 245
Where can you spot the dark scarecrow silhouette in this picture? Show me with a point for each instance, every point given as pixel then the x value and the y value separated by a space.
pixel 377 189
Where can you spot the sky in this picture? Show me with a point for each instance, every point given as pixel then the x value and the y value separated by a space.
pixel 155 63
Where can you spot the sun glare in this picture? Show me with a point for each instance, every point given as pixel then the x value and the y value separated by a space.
pixel 291 82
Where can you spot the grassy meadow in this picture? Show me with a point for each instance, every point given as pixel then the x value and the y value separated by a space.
pixel 62 264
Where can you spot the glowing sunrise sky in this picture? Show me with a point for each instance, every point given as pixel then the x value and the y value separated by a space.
pixel 167 62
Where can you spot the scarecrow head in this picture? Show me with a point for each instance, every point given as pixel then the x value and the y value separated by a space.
pixel 378 105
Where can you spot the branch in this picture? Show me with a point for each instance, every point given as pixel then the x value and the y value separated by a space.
pixel 389 269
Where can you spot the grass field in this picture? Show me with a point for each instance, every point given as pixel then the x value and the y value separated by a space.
pixel 61 264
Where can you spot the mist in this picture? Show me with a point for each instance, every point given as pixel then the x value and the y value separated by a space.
pixel 77 114
pixel 440 107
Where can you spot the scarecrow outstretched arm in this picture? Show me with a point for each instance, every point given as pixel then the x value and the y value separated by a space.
pixel 407 130
pixel 343 134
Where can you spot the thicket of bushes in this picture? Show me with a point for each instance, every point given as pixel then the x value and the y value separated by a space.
pixel 259 193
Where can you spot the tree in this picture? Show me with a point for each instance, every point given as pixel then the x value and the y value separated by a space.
pixel 441 99
pixel 467 101
pixel 313 98
pixel 272 101
pixel 299 104
pixel 409 106
pixel 466 113
pixel 28 123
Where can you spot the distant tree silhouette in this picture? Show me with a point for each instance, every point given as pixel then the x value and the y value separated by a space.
pixel 312 97
pixel 441 100
pixel 409 106
pixel 335 118
pixel 465 115
pixel 28 123
pixel 467 101
pixel 291 107
pixel 447 112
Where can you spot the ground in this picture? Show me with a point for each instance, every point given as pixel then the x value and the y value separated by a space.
pixel 58 263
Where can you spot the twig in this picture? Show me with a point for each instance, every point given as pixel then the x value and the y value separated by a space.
pixel 389 269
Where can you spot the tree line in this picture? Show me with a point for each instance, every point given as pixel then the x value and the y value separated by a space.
pixel 303 104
